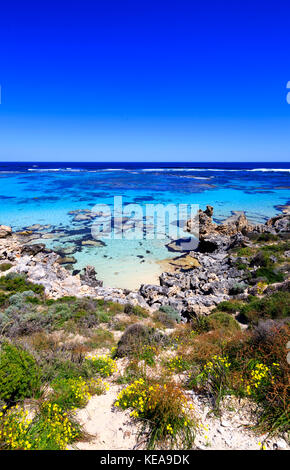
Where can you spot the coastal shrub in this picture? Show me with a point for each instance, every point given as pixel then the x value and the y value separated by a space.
pixel 19 298
pixel 103 365
pixel 276 305
pixel 262 259
pixel 14 428
pixel 135 310
pixel 54 429
pixel 3 299
pixel 167 316
pixel 135 337
pixel 50 429
pixel 20 318
pixel 14 283
pixel 241 266
pixel 171 312
pixel 178 364
pixel 74 316
pixel 164 412
pixel 262 362
pixel 5 266
pixel 148 354
pixel 200 348
pixel 199 324
pixel 238 288
pixel 62 367
pixel 246 251
pixel 229 306
pixel 19 374
pixel 99 338
pixel 260 377
pixel 267 237
pixel 76 392
pixel 134 370
pixel 277 248
pixel 222 320
pixel 213 379
pixel 271 275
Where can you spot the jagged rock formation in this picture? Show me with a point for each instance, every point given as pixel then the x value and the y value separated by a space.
pixel 5 231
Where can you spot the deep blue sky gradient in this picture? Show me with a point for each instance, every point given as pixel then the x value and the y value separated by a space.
pixel 145 81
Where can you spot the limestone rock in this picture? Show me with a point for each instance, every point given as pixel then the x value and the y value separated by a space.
pixel 5 231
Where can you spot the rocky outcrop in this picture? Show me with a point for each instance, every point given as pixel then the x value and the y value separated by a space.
pixel 280 223
pixel 214 237
pixel 5 231
pixel 88 277
pixel 237 223
pixel 199 290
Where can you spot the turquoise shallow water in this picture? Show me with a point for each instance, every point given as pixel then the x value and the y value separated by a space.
pixel 46 193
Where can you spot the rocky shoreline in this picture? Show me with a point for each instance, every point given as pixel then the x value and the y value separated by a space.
pixel 200 279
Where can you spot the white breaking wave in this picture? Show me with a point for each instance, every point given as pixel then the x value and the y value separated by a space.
pixel 287 170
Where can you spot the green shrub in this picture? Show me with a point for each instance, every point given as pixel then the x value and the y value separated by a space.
pixel 246 251
pixel 75 392
pixel 135 310
pixel 163 412
pixel 274 306
pixel 214 379
pixel 135 337
pixel 229 306
pixel 199 324
pixel 238 288
pixel 19 374
pixel 223 320
pixel 267 237
pixel 14 283
pixel 5 267
pixel 270 275
pixel 103 365
pixel 168 316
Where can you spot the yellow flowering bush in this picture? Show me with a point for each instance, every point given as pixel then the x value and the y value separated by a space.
pixel 164 408
pixel 14 426
pixel 261 286
pixel 214 378
pixel 76 392
pixel 50 429
pixel 148 354
pixel 214 366
pixel 178 364
pixel 261 376
pixel 54 429
pixel 104 365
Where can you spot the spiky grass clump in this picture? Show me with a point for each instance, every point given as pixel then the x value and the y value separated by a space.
pixel 164 412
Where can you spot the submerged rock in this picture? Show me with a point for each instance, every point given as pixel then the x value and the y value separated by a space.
pixel 67 260
pixel 92 243
pixel 33 249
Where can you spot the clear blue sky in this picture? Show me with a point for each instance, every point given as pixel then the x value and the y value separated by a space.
pixel 142 80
